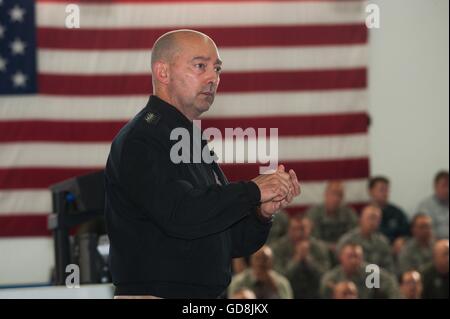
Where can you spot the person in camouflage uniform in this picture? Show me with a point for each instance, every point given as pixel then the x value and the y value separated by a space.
pixel 301 258
pixel 332 219
pixel 375 245
pixel 353 268
pixel 435 274
pixel 261 279
pixel 418 250
pixel 280 224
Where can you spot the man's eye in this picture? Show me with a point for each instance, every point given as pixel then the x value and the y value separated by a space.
pixel 218 69
pixel 200 65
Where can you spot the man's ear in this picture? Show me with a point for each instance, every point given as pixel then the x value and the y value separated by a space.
pixel 161 72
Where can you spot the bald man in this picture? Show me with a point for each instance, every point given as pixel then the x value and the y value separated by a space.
pixel 375 245
pixel 174 227
pixel 332 218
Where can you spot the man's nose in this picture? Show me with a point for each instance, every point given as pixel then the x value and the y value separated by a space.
pixel 212 78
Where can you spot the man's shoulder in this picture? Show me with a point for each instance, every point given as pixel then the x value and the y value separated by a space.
pixel 279 277
pixel 395 210
pixel 333 274
pixel 352 234
pixel 381 239
pixel 281 245
pixel 347 211
pixel 147 127
pixel 427 205
pixel 316 211
pixel 319 244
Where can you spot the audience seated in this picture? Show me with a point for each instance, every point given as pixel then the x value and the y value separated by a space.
pixel 375 245
pixel 261 278
pixel 332 219
pixel 353 268
pixel 301 258
pixel 418 250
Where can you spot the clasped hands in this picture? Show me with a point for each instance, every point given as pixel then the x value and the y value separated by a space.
pixel 277 190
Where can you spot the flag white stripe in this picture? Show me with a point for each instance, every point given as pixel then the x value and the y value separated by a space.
pixel 116 16
pixel 94 62
pixel 38 201
pixel 225 105
pixel 46 154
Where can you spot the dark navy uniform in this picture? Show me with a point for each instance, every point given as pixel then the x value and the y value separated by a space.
pixel 174 228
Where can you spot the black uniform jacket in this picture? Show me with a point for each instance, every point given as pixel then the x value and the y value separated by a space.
pixel 173 228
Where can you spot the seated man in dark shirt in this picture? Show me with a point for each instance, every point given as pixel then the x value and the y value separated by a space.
pixel 394 222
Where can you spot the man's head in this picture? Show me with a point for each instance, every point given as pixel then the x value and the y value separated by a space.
pixel 379 190
pixel 411 285
pixel 261 262
pixel 440 256
pixel 441 186
pixel 351 258
pixel 243 293
pixel 345 290
pixel 370 219
pixel 185 71
pixel 300 228
pixel 421 228
pixel 334 195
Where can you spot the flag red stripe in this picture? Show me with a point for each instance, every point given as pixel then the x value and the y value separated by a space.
pixel 246 36
pixel 24 225
pixel 306 170
pixel 25 178
pixel 231 82
pixel 20 178
pixel 104 131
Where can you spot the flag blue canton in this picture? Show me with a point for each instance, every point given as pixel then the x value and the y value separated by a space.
pixel 17 47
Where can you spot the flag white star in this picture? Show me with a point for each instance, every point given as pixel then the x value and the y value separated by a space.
pixel 17 14
pixel 2 31
pixel 19 79
pixel 2 64
pixel 17 46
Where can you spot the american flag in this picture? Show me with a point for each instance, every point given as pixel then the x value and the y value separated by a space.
pixel 300 66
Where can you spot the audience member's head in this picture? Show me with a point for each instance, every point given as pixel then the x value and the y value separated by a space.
pixel 351 258
pixel 441 186
pixel 421 228
pixel 379 190
pixel 300 228
pixel 261 262
pixel 345 290
pixel 411 285
pixel 243 293
pixel 440 256
pixel 370 219
pixel 334 195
